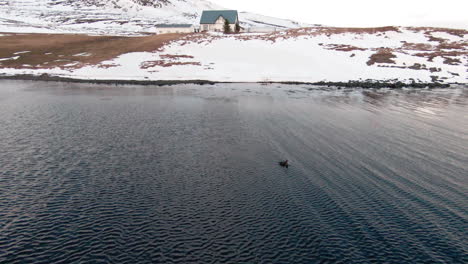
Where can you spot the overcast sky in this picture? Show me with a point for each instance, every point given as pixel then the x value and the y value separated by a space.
pixel 444 13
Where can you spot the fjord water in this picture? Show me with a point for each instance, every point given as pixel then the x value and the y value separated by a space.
pixel 189 174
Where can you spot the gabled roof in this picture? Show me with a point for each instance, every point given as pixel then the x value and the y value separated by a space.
pixel 210 17
pixel 174 25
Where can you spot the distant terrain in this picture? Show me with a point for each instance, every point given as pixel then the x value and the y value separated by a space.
pixel 114 17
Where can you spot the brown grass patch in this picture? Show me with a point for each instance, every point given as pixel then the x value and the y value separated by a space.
pixel 445 54
pixel 175 57
pixel 453 45
pixel 418 46
pixel 455 32
pixel 343 47
pixel 165 64
pixel 451 61
pixel 58 50
pixel 435 39
pixel 382 56
pixel 169 60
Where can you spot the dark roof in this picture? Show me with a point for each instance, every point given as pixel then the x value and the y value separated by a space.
pixel 174 25
pixel 210 17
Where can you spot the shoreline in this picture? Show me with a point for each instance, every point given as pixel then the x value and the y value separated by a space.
pixel 309 56
pixel 367 84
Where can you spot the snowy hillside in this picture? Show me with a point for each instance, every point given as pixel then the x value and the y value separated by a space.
pixel 298 55
pixel 318 54
pixel 111 17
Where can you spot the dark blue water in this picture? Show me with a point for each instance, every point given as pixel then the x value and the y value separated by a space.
pixel 189 174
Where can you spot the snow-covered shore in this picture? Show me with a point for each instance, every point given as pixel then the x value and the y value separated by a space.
pixel 304 55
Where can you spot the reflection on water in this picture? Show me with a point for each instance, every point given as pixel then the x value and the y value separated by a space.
pixel 189 174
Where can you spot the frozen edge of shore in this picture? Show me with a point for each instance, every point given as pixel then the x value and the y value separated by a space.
pixel 394 84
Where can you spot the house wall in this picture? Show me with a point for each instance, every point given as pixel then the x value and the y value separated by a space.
pixel 175 30
pixel 218 26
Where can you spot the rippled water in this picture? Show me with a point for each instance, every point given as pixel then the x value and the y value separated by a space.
pixel 189 174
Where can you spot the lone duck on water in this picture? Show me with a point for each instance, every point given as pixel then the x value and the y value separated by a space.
pixel 284 164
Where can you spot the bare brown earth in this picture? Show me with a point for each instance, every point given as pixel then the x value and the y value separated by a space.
pixel 72 51
pixel 169 60
pixel 382 56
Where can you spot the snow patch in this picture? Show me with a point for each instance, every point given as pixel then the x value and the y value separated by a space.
pixel 84 54
pixel 71 64
pixel 21 52
pixel 11 58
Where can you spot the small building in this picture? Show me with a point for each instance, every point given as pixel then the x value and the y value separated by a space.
pixel 214 20
pixel 175 28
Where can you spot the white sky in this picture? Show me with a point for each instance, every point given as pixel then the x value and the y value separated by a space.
pixel 443 13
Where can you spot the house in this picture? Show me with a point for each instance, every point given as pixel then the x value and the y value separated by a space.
pixel 175 28
pixel 213 20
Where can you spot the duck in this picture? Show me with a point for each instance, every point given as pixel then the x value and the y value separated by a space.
pixel 284 164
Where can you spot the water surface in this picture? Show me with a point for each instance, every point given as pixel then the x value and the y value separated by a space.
pixel 189 174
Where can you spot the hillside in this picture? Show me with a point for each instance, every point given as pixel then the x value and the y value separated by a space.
pixel 311 54
pixel 115 17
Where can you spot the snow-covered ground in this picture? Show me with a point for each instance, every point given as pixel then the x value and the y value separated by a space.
pixel 305 55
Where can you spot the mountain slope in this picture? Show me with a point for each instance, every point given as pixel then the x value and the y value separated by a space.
pixel 116 17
